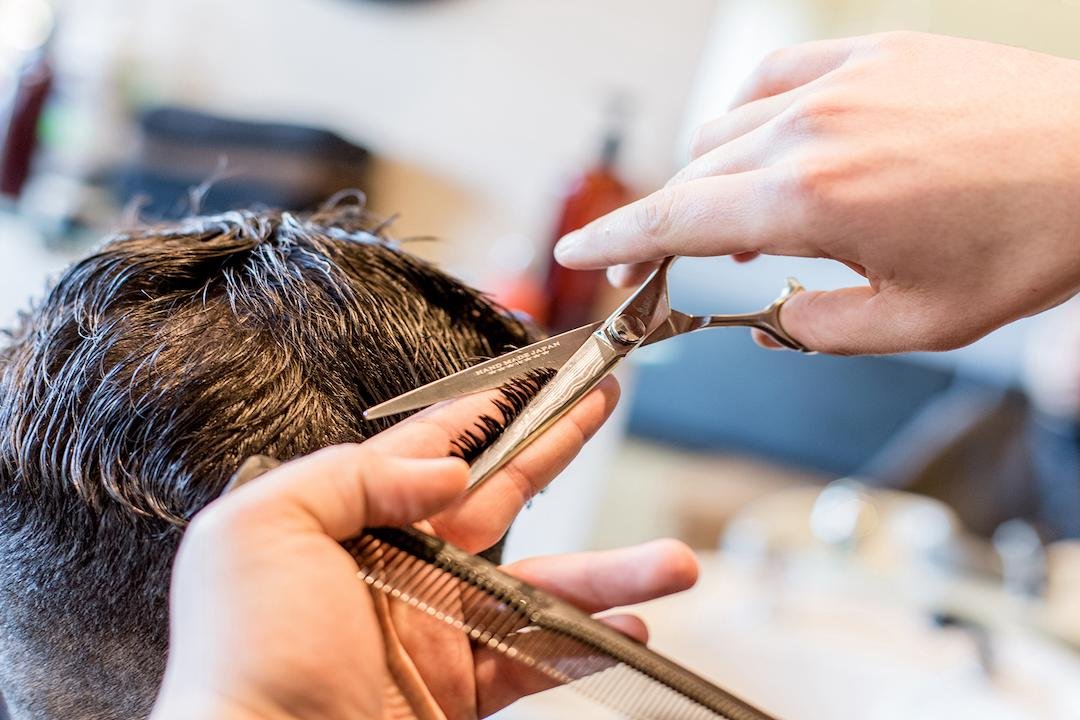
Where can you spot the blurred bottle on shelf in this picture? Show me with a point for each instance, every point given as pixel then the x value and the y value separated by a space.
pixel 20 132
pixel 86 126
pixel 571 295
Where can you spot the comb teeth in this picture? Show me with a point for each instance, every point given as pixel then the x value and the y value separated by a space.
pixel 530 627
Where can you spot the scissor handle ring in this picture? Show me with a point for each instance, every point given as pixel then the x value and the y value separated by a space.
pixel 774 328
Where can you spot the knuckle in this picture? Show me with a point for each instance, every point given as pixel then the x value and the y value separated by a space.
pixel 787 218
pixel 580 433
pixel 814 182
pixel 768 67
pixel 815 115
pixel 521 481
pixel 763 77
pixel 654 217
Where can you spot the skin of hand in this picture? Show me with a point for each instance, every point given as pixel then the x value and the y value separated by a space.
pixel 268 618
pixel 945 171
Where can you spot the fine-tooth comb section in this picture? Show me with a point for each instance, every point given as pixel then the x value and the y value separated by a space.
pixel 528 626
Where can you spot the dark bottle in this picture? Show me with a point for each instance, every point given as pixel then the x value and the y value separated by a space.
pixel 572 294
pixel 19 138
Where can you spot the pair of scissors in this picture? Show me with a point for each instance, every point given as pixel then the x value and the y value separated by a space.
pixel 582 357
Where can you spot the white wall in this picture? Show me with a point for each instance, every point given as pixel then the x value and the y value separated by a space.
pixel 479 109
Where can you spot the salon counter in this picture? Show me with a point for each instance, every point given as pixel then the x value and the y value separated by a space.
pixel 819 638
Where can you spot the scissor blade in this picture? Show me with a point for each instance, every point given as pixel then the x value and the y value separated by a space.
pixel 550 353
pixel 592 362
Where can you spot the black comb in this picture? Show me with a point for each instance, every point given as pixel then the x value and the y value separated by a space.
pixel 531 627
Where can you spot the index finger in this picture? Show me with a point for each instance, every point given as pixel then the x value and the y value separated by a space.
pixel 722 215
pixel 593 582
pixel 477 520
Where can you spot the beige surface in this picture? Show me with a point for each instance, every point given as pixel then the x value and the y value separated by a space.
pixel 662 491
pixel 821 639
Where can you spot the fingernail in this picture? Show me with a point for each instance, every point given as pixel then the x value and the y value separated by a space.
pixel 765 341
pixel 564 249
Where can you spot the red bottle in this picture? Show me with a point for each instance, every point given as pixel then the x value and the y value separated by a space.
pixel 19 138
pixel 572 294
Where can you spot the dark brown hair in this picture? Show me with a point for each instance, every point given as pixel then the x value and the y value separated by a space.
pixel 149 372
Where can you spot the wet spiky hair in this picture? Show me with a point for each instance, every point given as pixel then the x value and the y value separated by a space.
pixel 149 372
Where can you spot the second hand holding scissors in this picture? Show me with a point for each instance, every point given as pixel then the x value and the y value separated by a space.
pixel 583 357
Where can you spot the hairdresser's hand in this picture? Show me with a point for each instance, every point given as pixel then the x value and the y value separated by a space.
pixel 946 171
pixel 477 521
pixel 269 620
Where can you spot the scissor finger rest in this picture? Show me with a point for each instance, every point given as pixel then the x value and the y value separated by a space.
pixel 767 320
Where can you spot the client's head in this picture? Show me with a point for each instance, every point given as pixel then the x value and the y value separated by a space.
pixel 136 388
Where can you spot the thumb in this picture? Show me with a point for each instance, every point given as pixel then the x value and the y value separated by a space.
pixel 345 488
pixel 850 321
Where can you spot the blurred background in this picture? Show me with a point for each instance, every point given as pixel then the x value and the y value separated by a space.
pixel 881 537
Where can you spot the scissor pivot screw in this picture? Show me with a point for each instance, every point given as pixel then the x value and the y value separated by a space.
pixel 627 329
